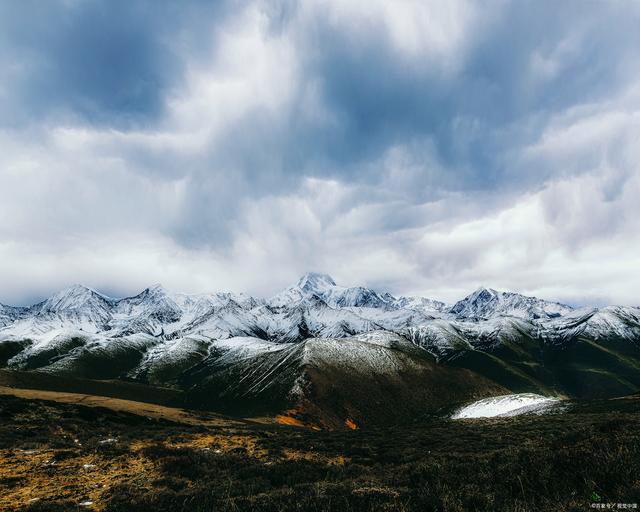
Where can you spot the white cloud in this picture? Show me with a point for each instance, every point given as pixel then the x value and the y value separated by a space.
pixel 437 31
pixel 249 67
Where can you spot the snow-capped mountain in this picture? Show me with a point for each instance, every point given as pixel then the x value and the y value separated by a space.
pixel 314 284
pixel 235 341
pixel 153 303
pixel 622 322
pixel 313 307
pixel 486 303
pixel 76 304
pixel 429 306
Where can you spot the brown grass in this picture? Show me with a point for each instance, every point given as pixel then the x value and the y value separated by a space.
pixel 43 478
pixel 207 463
pixel 147 410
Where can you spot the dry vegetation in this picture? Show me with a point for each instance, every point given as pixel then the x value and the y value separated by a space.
pixel 64 456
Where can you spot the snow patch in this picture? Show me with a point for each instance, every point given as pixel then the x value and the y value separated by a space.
pixel 506 405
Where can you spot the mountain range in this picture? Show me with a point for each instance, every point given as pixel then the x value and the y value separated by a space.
pixel 321 354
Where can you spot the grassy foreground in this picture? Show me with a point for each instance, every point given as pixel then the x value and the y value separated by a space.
pixel 62 456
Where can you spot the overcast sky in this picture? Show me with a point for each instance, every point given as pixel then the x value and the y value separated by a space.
pixel 417 147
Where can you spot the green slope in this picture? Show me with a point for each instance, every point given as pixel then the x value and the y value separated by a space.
pixel 583 368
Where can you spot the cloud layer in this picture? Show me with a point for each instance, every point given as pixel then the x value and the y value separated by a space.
pixel 423 148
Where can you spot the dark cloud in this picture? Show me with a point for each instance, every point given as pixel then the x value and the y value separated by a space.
pixel 497 98
pixel 109 63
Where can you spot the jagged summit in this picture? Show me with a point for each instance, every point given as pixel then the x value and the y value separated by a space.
pixel 74 297
pixel 475 301
pixel 430 306
pixel 485 292
pixel 315 282
pixel 487 303
pixel 76 305
pixel 155 292
pixel 322 286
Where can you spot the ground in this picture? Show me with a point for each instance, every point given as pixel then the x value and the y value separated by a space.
pixel 117 455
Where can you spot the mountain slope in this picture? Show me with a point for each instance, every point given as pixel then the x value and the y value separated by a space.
pixel 325 352
pixel 377 378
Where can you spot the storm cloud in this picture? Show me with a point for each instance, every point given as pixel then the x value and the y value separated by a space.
pixel 420 147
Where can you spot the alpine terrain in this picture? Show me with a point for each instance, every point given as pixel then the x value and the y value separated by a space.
pixel 322 354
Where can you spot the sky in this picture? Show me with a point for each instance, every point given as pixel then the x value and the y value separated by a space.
pixel 416 147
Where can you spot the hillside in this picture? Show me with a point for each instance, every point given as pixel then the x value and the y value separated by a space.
pixel 319 353
pixel 62 456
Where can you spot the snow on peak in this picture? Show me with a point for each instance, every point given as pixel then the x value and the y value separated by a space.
pixel 486 292
pixel 314 285
pixel 76 307
pixel 487 302
pixel 315 282
pixel 309 286
pixel 153 302
pixel 73 298
pixel 483 295
pixel 155 290
pixel 430 306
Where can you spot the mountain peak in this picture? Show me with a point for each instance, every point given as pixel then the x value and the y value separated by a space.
pixel 485 292
pixel 75 298
pixel 76 288
pixel 315 281
pixel 156 288
pixel 74 292
pixel 487 302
